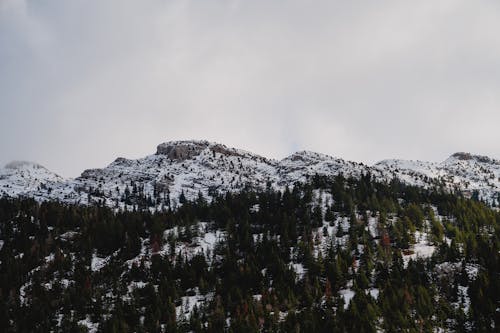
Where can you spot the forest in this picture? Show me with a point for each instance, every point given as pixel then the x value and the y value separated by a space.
pixel 333 255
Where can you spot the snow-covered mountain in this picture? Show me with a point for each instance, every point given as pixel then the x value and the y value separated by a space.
pixel 25 178
pixel 470 174
pixel 193 167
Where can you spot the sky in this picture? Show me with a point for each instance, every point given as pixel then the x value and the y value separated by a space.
pixel 83 82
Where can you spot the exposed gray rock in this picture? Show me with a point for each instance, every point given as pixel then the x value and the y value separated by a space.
pixel 181 150
pixel 468 156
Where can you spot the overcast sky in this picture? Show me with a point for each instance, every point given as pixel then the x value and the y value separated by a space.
pixel 83 82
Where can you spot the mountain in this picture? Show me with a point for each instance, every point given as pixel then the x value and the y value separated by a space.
pixel 189 168
pixel 25 178
pixel 335 254
pixel 470 174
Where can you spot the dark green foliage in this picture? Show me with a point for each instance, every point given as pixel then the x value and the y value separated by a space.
pixel 247 282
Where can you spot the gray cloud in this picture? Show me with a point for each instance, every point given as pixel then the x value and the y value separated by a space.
pixel 82 82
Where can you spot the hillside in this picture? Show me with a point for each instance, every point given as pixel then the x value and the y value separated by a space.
pixel 193 167
pixel 26 178
pixel 333 255
pixel 199 237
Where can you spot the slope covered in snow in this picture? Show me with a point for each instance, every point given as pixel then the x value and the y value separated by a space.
pixel 194 167
pixel 474 173
pixel 24 178
pixel 299 166
pixel 470 174
pixel 188 168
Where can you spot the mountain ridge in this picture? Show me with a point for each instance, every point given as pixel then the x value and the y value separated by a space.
pixel 190 167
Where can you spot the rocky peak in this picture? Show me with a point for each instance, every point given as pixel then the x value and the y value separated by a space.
pixel 181 150
pixel 462 156
pixel 222 149
pixel 23 165
pixel 308 156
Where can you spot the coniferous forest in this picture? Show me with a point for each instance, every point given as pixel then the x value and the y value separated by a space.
pixel 332 255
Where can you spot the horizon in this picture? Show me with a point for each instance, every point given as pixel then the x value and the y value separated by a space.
pixel 6 165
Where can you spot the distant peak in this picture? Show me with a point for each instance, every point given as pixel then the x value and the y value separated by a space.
pixel 305 153
pixel 398 161
pixel 462 156
pixel 23 164
pixel 29 168
pixel 308 155
pixel 301 155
